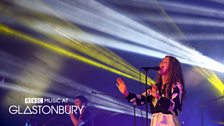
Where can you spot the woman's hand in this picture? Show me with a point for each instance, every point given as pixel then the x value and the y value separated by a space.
pixel 122 87
pixel 153 92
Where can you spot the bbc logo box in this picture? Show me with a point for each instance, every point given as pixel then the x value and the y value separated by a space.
pixel 34 100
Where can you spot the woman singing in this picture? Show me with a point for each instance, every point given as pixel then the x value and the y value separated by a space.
pixel 165 97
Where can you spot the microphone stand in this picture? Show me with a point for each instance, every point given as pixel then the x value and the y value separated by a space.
pixel 146 94
pixel 134 115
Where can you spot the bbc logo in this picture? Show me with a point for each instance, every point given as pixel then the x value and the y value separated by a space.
pixel 34 100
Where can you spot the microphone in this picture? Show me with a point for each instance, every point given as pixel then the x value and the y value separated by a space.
pixel 156 68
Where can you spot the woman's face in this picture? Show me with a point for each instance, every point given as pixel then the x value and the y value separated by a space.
pixel 164 65
pixel 78 102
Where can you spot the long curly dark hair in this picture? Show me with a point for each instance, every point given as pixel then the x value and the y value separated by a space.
pixel 83 99
pixel 174 76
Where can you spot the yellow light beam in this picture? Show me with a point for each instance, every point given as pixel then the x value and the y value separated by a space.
pixel 9 31
pixel 98 53
pixel 211 77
